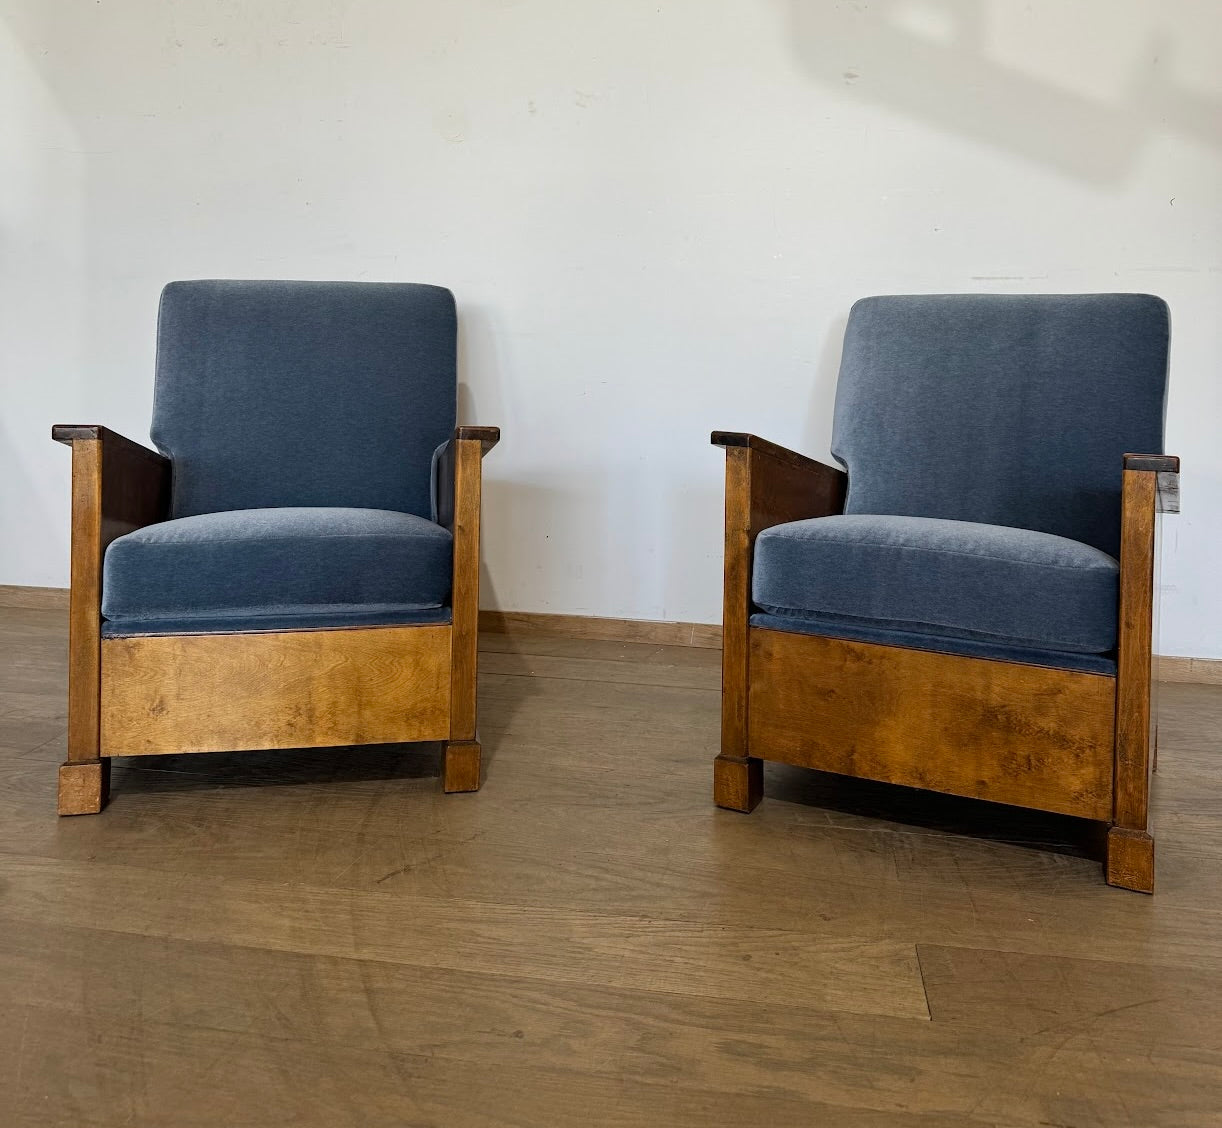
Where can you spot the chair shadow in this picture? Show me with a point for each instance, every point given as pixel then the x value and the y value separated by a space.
pixel 944 74
pixel 277 767
pixel 913 808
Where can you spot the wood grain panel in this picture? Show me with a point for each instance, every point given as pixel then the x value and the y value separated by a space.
pixel 295 689
pixel 1015 734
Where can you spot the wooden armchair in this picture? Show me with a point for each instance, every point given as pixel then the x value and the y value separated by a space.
pixel 926 618
pixel 300 566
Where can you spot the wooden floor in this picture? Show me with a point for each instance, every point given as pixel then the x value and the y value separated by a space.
pixel 323 938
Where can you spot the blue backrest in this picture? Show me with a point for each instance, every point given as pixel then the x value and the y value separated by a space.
pixel 1008 410
pixel 303 393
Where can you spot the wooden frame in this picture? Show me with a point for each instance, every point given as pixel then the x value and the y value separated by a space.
pixel 151 694
pixel 1055 740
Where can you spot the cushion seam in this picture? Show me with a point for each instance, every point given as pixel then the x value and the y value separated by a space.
pixel 948 552
pixel 301 536
pixel 288 608
pixel 811 616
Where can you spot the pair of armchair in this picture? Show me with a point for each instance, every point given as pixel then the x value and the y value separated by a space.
pixel 966 606
pixel 299 565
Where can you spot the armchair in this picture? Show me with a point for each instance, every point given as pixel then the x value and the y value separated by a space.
pixel 299 565
pixel 967 606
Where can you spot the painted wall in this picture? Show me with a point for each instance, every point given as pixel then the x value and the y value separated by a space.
pixel 655 216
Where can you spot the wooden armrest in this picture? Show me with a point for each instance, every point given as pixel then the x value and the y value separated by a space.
pixel 70 433
pixel 487 437
pixel 451 478
pixel 1166 467
pixel 772 450
pixel 1160 463
pixel 768 484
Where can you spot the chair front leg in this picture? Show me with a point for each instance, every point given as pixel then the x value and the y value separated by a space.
pixel 1130 844
pixel 766 485
pixel 462 766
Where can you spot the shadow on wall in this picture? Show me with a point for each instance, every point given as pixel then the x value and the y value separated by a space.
pixel 929 60
pixel 817 433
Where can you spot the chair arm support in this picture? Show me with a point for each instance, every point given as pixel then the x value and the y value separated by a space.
pixel 117 485
pixel 479 440
pixel 1150 487
pixel 774 451
pixel 487 437
pixel 460 490
pixel 1161 463
pixel 777 484
pixel 1167 482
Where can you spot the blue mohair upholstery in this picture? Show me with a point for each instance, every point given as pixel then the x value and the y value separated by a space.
pixel 1002 409
pixel 273 394
pixel 267 567
pixel 941 644
pixel 928 576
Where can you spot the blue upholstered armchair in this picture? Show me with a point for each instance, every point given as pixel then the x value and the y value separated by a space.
pixel 299 565
pixel 966 607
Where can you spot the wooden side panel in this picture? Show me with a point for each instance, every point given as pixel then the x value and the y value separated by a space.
pixel 468 479
pixel 293 689
pixel 1009 733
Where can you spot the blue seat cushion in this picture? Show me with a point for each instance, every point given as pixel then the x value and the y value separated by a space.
pixel 322 566
pixel 955 579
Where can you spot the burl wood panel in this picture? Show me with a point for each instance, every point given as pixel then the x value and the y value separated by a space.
pixel 302 689
pixel 1024 735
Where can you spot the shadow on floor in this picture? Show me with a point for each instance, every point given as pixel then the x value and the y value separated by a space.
pixel 866 799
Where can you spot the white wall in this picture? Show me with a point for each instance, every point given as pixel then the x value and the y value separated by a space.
pixel 654 214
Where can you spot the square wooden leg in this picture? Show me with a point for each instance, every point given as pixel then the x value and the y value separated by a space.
pixel 462 766
pixel 84 786
pixel 738 783
pixel 1130 859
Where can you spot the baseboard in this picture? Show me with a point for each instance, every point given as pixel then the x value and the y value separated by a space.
pixel 35 598
pixel 1197 671
pixel 707 635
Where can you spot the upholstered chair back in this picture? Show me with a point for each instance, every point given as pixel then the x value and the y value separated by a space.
pixel 1008 410
pixel 273 394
